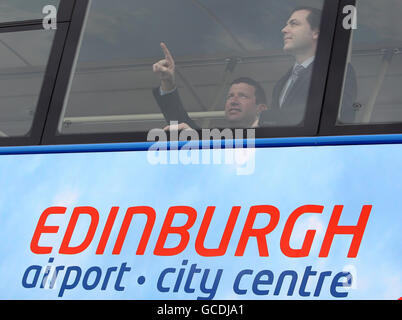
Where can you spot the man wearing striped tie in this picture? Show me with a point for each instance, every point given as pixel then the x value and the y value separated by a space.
pixel 289 97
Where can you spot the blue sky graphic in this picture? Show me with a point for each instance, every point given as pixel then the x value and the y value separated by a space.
pixel 284 177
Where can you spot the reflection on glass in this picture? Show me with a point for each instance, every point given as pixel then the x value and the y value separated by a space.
pixel 23 59
pixel 211 46
pixel 377 60
pixel 18 10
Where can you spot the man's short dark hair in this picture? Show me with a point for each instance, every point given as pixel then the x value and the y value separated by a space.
pixel 260 97
pixel 314 17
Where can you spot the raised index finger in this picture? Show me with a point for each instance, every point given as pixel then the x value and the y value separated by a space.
pixel 167 53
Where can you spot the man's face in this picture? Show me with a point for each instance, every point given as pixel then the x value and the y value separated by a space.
pixel 298 36
pixel 241 106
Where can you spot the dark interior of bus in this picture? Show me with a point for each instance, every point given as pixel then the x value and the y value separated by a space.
pixel 110 81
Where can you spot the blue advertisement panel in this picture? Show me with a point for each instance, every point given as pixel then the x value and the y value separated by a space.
pixel 276 223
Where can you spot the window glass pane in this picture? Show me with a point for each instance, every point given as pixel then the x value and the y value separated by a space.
pixel 212 43
pixel 377 61
pixel 23 59
pixel 17 10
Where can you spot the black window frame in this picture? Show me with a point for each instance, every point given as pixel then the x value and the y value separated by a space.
pixel 321 110
pixel 313 109
pixel 34 136
pixel 337 70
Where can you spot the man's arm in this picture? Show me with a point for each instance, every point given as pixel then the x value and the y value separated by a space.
pixel 172 107
pixel 167 95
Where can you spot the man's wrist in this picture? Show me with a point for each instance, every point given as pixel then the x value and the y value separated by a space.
pixel 168 84
pixel 163 91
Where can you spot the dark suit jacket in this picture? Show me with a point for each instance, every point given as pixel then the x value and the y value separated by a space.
pixel 292 110
pixel 293 107
pixel 172 108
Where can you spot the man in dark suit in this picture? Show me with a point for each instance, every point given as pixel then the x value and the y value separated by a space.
pixel 290 94
pixel 244 102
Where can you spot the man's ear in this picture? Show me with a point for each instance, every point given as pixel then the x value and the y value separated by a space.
pixel 316 34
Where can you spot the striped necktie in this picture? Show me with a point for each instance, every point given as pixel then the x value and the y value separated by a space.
pixel 293 78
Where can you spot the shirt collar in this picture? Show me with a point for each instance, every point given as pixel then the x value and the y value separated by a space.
pixel 305 63
pixel 255 123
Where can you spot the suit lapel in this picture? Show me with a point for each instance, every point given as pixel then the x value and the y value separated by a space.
pixel 300 88
pixel 279 87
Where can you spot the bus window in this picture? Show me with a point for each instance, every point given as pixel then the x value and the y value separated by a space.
pixel 113 87
pixel 18 10
pixel 23 60
pixel 376 59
